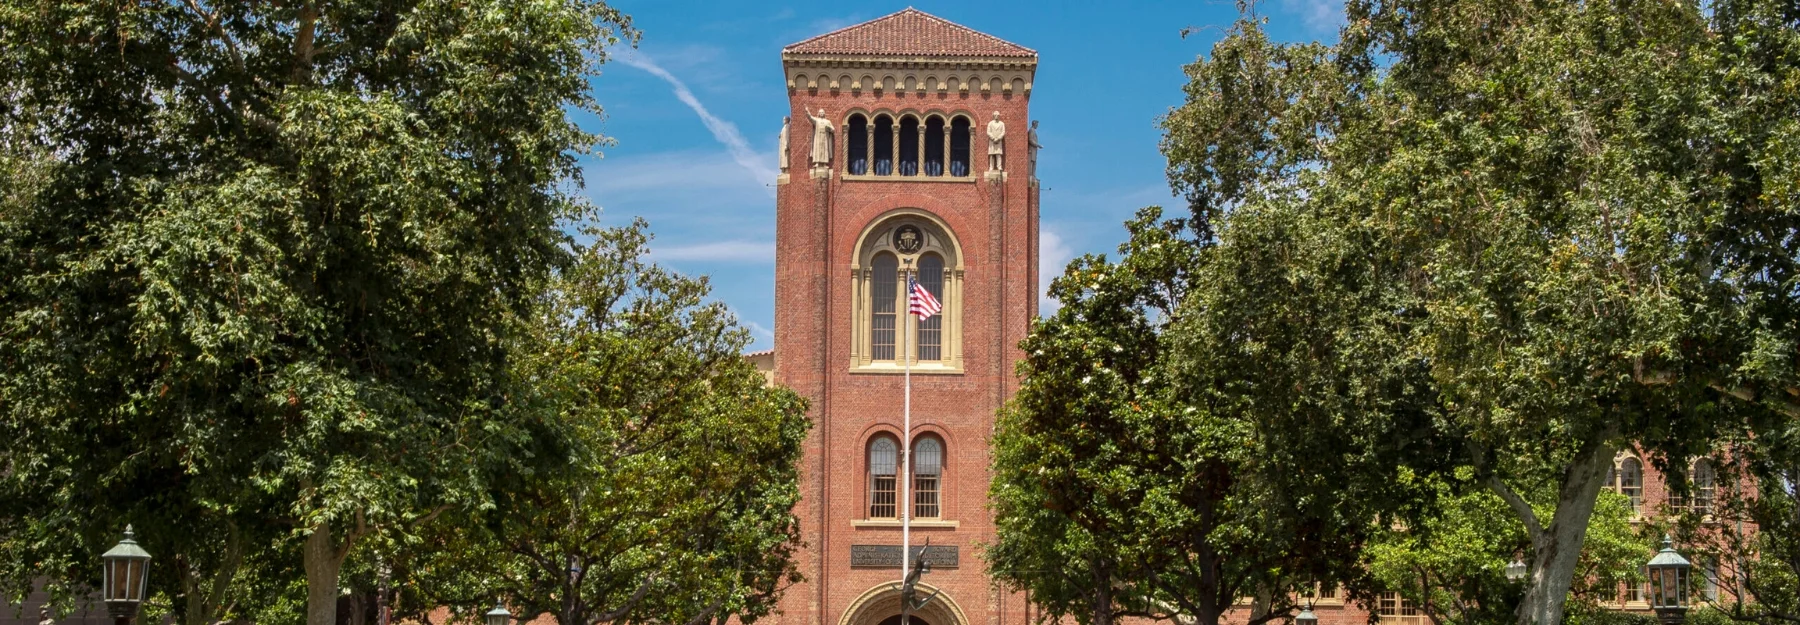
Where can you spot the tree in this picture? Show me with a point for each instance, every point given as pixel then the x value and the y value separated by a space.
pixel 1551 229
pixel 1128 483
pixel 670 496
pixel 1451 562
pixel 265 272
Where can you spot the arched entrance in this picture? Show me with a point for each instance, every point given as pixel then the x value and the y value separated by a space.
pixel 880 605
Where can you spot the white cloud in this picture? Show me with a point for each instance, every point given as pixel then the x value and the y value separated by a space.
pixel 760 332
pixel 1317 15
pixel 742 251
pixel 725 132
pixel 1054 254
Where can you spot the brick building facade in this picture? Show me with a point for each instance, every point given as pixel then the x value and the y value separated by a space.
pixel 902 185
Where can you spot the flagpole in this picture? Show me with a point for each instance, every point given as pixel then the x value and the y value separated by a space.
pixel 906 454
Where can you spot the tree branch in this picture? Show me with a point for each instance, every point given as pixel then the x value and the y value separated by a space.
pixel 1519 505
pixel 636 596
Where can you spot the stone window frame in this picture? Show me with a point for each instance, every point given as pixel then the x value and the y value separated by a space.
pixel 897 118
pixel 869 476
pixel 875 239
pixel 1709 488
pixel 1615 481
pixel 1391 607
pixel 942 474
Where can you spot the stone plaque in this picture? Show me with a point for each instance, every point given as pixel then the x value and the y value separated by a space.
pixel 888 556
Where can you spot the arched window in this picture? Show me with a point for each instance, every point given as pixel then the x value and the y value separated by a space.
pixel 883 314
pixel 909 146
pixel 1702 484
pixel 1631 482
pixel 856 144
pixel 934 146
pixel 883 458
pixel 928 466
pixel 931 331
pixel 884 145
pixel 885 337
pixel 1705 484
pixel 959 147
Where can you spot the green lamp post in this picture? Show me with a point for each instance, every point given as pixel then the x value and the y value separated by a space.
pixel 1668 584
pixel 123 577
pixel 499 615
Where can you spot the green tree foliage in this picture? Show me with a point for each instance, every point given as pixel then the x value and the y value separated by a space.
pixel 1122 489
pixel 1543 231
pixel 670 496
pixel 258 284
pixel 1452 563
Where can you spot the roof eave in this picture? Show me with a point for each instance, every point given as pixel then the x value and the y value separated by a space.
pixel 825 58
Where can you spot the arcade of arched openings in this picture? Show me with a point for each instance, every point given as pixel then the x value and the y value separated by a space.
pixel 929 145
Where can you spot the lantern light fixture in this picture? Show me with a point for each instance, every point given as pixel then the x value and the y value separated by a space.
pixel 499 615
pixel 1668 584
pixel 1516 569
pixel 124 574
pixel 1306 616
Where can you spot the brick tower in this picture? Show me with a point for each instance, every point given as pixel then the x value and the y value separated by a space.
pixel 888 171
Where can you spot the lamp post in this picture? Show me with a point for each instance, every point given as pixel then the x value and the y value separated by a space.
pixel 1515 570
pixel 1668 584
pixel 1306 616
pixel 499 615
pixel 123 576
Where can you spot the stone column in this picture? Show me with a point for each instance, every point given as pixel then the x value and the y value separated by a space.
pixel 894 149
pixel 946 171
pixel 869 149
pixel 920 150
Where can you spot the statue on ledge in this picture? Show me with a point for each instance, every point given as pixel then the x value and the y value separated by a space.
pixel 821 141
pixel 996 132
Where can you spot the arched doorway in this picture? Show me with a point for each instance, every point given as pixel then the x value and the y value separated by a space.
pixel 880 605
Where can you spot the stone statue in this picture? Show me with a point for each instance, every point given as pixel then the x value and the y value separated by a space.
pixel 996 132
pixel 821 141
pixel 1031 146
pixel 44 616
pixel 783 149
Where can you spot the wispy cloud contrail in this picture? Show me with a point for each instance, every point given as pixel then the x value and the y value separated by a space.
pixel 725 132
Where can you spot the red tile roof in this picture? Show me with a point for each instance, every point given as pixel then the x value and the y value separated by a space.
pixel 910 33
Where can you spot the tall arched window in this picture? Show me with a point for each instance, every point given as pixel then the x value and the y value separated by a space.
pixel 928 466
pixel 1705 484
pixel 1631 482
pixel 883 458
pixel 959 146
pixel 884 337
pixel 1702 484
pixel 934 146
pixel 883 317
pixel 884 145
pixel 856 144
pixel 909 146
pixel 931 331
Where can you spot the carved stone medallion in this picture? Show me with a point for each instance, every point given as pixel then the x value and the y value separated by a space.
pixel 908 239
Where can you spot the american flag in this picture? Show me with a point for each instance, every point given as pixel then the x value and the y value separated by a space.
pixel 920 301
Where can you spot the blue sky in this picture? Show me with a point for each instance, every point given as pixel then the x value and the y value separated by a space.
pixel 696 108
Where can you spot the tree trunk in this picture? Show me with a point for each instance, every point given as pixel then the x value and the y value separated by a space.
pixel 323 561
pixel 1556 548
pixel 1101 604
